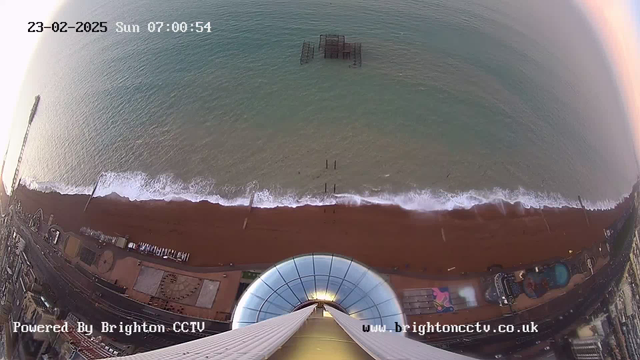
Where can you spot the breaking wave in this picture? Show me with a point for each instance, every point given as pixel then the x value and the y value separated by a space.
pixel 140 186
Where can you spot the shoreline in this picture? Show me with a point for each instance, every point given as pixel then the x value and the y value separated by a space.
pixel 380 236
pixel 136 187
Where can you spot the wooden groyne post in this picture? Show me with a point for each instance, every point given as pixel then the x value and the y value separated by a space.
pixel 95 187
pixel 545 221
pixel 246 219
pixel 586 217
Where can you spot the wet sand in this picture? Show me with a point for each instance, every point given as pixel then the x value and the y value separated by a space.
pixel 379 236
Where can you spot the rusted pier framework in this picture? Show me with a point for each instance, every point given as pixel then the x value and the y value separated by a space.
pixel 307 53
pixel 333 47
pixel 336 47
pixel 357 55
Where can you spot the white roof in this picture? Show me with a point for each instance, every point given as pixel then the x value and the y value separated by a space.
pixel 253 342
pixel 387 346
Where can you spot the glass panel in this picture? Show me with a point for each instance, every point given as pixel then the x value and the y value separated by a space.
pixel 367 315
pixel 362 293
pixel 298 290
pixel 343 292
pixel 355 273
pixel 332 289
pixel 309 285
pixel 369 281
pixel 281 302
pixel 262 291
pixel 321 288
pixel 273 279
pixel 288 270
pixel 247 315
pixel 253 302
pixel 381 293
pixel 354 297
pixel 264 316
pixel 273 309
pixel 305 265
pixel 322 264
pixel 361 305
pixel 339 267
pixel 286 293
pixel 389 307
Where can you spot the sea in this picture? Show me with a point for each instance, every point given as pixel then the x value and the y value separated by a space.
pixel 457 103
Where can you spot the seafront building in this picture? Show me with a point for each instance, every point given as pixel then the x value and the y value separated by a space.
pixel 613 331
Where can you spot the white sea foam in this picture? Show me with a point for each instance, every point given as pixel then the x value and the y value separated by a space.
pixel 139 186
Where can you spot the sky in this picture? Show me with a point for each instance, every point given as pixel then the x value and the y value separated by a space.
pixel 18 45
pixel 617 22
pixel 636 13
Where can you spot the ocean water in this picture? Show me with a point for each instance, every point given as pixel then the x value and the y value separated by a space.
pixel 456 103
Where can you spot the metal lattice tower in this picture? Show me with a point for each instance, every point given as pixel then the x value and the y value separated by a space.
pixel 24 144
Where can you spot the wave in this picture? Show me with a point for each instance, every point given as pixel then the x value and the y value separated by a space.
pixel 139 186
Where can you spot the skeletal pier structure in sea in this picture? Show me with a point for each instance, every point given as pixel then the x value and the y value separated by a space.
pixel 16 174
pixel 333 47
pixel 307 53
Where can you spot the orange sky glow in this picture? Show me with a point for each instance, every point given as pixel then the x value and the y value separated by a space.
pixel 616 23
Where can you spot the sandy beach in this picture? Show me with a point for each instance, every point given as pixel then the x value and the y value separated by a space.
pixel 384 237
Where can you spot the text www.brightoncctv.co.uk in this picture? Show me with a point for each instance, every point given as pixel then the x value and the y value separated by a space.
pixel 428 328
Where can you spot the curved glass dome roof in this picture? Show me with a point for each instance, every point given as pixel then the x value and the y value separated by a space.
pixel 332 279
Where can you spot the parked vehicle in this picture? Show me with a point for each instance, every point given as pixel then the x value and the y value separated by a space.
pixel 161 252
